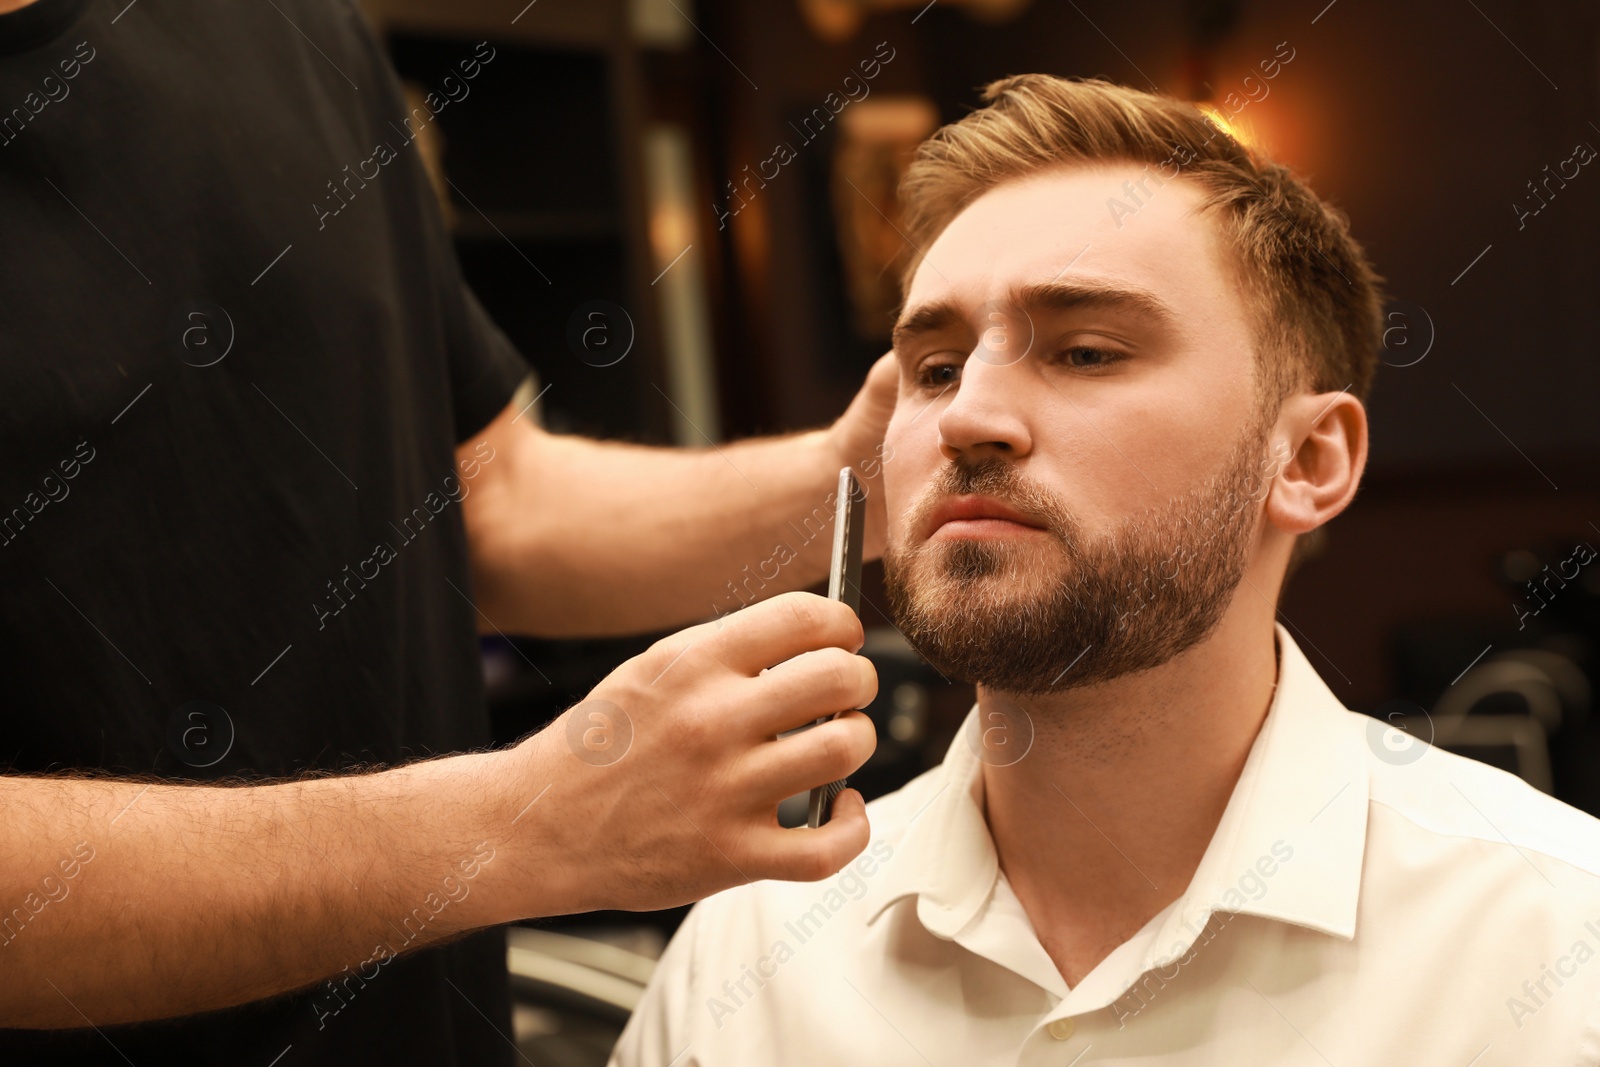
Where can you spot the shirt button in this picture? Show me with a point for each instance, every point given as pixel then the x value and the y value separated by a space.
pixel 1062 1029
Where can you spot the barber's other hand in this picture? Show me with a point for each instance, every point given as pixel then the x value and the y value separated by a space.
pixel 665 780
pixel 856 440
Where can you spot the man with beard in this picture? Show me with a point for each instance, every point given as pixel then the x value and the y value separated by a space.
pixel 1159 838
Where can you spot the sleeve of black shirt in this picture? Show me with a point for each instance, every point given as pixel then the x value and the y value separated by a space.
pixel 485 368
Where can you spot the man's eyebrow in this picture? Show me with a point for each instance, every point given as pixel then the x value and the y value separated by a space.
pixel 925 319
pixel 1097 296
pixel 1048 296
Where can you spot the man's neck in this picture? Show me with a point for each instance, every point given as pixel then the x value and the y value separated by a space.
pixel 1103 823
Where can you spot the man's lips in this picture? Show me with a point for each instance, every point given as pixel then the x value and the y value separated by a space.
pixel 972 516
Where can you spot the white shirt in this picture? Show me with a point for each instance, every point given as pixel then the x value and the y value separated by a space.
pixel 1361 903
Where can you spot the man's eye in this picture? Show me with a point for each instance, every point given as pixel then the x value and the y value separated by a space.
pixel 939 375
pixel 1089 356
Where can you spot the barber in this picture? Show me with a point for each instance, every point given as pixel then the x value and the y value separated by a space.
pixel 265 480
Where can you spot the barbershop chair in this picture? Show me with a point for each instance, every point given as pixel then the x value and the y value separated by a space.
pixel 1524 703
pixel 1502 711
pixel 571 996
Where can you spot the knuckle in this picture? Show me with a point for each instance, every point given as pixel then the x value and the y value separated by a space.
pixel 697 659
pixel 864 733
pixel 868 678
pixel 850 679
pixel 669 652
pixel 843 678
pixel 662 649
pixel 836 750
pixel 805 610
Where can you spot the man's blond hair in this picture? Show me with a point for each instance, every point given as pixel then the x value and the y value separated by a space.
pixel 1314 302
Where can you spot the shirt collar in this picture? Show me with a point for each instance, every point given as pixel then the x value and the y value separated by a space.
pixel 1289 845
pixel 945 857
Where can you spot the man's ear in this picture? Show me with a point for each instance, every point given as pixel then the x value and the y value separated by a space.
pixel 1328 435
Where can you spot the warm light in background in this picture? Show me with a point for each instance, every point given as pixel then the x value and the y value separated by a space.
pixel 671 230
pixel 839 20
pixel 680 285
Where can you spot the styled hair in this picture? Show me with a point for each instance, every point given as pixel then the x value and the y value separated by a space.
pixel 1314 302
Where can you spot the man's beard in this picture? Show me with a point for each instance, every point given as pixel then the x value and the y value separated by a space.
pixel 1035 615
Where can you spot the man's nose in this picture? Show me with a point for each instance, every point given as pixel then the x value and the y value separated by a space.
pixel 991 405
pixel 989 413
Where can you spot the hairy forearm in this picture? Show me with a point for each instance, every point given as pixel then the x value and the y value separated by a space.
pixel 603 538
pixel 126 901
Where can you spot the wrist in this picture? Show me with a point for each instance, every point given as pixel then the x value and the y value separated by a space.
pixel 822 452
pixel 539 867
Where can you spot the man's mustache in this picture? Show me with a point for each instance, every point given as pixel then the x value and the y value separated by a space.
pixel 999 479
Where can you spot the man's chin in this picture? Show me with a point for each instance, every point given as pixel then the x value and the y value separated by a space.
pixel 971 606
pixel 993 631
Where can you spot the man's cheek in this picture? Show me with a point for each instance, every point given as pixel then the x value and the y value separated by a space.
pixel 902 471
pixel 895 509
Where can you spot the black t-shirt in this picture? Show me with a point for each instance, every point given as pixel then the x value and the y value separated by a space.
pixel 230 525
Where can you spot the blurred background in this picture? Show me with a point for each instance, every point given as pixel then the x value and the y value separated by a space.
pixel 683 213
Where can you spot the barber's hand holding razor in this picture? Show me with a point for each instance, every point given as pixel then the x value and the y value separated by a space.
pixel 664 783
